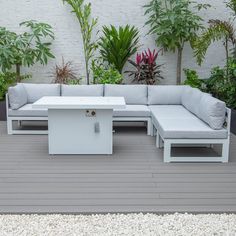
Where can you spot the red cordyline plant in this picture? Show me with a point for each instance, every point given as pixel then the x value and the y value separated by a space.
pixel 146 69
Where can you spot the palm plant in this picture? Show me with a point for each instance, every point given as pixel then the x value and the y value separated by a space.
pixel 117 45
pixel 217 30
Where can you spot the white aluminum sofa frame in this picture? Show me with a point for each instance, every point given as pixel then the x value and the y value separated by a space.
pixel 11 119
pixel 147 120
pixel 167 144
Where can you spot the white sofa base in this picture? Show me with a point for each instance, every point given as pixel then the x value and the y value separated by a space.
pixel 224 158
pixel 148 121
pixel 10 121
pixel 10 129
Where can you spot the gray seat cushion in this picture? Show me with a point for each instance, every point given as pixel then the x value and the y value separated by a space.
pixel 133 94
pixel 82 90
pixel 133 111
pixel 37 91
pixel 17 96
pixel 207 108
pixel 28 111
pixel 176 122
pixel 165 94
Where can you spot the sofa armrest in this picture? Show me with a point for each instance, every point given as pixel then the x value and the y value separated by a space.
pixel 228 120
pixel 17 96
pixel 7 104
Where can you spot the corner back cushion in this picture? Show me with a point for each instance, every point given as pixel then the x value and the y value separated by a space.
pixel 82 90
pixel 17 96
pixel 191 98
pixel 133 94
pixel 164 94
pixel 204 106
pixel 37 91
pixel 212 111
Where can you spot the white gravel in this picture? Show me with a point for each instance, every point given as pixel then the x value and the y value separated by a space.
pixel 118 224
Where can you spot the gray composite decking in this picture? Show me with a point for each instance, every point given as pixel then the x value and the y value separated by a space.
pixel 134 179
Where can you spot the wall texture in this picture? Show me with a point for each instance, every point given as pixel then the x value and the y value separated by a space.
pixel 117 12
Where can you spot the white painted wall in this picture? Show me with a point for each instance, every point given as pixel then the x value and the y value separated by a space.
pixel 117 12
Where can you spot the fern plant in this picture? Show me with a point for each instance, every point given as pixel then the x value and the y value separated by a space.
pixel 118 45
pixel 87 25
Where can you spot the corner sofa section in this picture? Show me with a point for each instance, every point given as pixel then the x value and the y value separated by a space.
pixel 189 117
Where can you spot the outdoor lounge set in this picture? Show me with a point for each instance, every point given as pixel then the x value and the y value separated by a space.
pixel 176 115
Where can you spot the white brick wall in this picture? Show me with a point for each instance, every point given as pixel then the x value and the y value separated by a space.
pixel 117 12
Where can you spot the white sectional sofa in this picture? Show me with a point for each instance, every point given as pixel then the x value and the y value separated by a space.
pixel 175 114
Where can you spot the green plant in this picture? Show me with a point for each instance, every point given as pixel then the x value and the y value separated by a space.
pixel 118 45
pixel 27 48
pixel 146 69
pixel 221 83
pixel 74 82
pixel 174 23
pixel 217 30
pixel 192 79
pixel 64 73
pixel 105 74
pixel 87 25
pixel 6 80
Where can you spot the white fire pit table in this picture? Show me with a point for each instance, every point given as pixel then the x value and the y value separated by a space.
pixel 80 125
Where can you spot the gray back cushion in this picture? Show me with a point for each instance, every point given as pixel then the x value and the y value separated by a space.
pixel 37 91
pixel 212 111
pixel 133 94
pixel 165 94
pixel 17 96
pixel 204 106
pixel 191 98
pixel 82 90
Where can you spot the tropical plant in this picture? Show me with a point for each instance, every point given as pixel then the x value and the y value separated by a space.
pixel 27 48
pixel 64 73
pixel 87 26
pixel 118 45
pixel 221 83
pixel 6 80
pixel 105 74
pixel 174 23
pixel 192 79
pixel 218 30
pixel 146 69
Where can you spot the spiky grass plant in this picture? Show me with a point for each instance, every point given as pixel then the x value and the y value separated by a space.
pixel 64 73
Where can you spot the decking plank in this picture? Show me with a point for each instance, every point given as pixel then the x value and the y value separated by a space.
pixel 134 179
